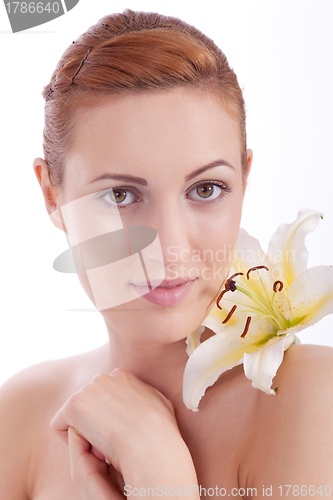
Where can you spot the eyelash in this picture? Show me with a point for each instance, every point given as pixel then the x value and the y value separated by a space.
pixel 225 189
pixel 121 206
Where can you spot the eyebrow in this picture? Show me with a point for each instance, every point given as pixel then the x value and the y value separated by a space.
pixel 213 164
pixel 143 182
pixel 121 177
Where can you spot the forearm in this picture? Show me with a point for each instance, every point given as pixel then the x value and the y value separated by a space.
pixel 163 474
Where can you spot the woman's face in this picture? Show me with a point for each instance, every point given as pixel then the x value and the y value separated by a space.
pixel 173 160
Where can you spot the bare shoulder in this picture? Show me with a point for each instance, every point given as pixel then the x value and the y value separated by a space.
pixel 306 375
pixel 293 442
pixel 24 389
pixel 304 390
pixel 52 380
pixel 311 354
pixel 28 402
pixel 47 384
pixel 21 397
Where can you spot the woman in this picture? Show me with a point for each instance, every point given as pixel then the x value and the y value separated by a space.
pixel 145 127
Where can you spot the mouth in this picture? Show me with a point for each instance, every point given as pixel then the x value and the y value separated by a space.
pixel 168 292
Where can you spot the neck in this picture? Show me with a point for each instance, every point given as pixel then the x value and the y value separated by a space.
pixel 159 365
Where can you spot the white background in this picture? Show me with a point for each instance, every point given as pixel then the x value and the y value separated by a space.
pixel 282 52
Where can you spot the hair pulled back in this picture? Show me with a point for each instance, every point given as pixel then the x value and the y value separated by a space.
pixel 132 52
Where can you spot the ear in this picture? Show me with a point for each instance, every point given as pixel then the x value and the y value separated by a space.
pixel 51 195
pixel 249 157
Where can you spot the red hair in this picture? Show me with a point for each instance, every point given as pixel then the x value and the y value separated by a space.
pixel 132 52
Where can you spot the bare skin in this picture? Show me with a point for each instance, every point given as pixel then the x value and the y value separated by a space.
pixel 240 438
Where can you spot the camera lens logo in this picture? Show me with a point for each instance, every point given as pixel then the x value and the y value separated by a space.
pixel 117 263
pixel 25 15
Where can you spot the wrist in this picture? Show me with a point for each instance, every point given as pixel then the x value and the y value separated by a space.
pixel 163 469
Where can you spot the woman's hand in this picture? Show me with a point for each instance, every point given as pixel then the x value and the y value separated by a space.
pixel 90 474
pixel 131 424
pixel 118 414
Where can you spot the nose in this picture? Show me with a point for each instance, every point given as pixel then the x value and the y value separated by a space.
pixel 174 230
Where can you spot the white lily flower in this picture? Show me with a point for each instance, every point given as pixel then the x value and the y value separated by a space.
pixel 268 298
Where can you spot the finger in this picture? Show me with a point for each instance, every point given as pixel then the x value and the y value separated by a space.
pixel 97 453
pixel 89 474
pixel 66 417
pixel 140 387
pixel 59 426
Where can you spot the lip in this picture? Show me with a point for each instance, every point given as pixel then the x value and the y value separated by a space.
pixel 163 284
pixel 168 292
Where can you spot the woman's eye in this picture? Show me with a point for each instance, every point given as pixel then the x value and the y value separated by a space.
pixel 118 196
pixel 206 190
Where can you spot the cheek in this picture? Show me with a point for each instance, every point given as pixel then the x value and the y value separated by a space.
pixel 229 228
pixel 218 238
pixel 83 279
pixel 220 230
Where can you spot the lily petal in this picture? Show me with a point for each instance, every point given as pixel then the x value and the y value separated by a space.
pixel 214 320
pixel 261 366
pixel 280 297
pixel 287 251
pixel 248 254
pixel 193 340
pixel 218 354
pixel 311 296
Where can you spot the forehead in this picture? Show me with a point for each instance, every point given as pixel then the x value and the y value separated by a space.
pixel 158 133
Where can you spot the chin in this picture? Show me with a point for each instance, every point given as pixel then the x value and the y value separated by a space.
pixel 146 327
pixel 146 322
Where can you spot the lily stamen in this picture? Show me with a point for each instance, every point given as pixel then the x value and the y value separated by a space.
pixel 220 297
pixel 231 312
pixel 266 307
pixel 278 285
pixel 230 286
pixel 247 326
pixel 254 269
pixel 232 277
